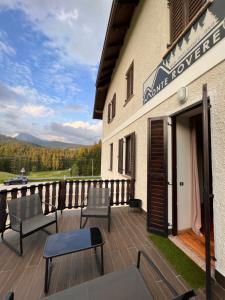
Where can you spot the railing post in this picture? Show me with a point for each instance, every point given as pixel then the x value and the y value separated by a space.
pixel 112 192
pixel 106 183
pixel 117 191
pixel 76 194
pixel 47 197
pixel 40 191
pixel 94 183
pixel 70 194
pixel 122 191
pixel 128 191
pixel 82 190
pixel 14 193
pixel 23 191
pixel 53 194
pixel 32 189
pixel 3 214
pixel 62 195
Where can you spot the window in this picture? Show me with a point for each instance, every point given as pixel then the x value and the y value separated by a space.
pixel 114 106
pixel 112 109
pixel 120 157
pixel 130 155
pixel 130 81
pixel 111 157
pixel 181 13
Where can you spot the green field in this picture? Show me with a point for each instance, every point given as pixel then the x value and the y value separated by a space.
pixel 44 174
pixel 4 176
pixel 48 174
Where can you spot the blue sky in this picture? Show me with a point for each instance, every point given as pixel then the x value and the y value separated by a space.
pixel 49 55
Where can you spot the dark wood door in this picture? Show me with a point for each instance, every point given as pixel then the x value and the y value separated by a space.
pixel 157 202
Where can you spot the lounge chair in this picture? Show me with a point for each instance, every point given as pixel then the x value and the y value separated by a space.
pixel 120 285
pixel 98 206
pixel 26 217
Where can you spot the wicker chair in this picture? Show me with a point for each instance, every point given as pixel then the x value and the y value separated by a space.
pixel 98 206
pixel 26 217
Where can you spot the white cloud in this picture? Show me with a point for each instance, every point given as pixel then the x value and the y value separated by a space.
pixel 36 110
pixel 76 132
pixel 6 48
pixel 75 28
pixel 32 95
pixel 96 127
pixel 68 17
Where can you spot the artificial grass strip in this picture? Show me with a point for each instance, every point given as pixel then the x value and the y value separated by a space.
pixel 184 266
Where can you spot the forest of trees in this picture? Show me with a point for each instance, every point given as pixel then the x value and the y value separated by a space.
pixel 83 161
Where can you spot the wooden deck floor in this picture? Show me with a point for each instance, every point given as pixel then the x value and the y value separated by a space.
pixel 25 275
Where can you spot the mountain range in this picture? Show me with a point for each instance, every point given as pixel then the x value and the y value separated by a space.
pixel 31 139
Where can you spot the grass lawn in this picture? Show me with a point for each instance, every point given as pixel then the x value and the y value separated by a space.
pixel 184 266
pixel 48 174
pixel 4 176
pixel 44 174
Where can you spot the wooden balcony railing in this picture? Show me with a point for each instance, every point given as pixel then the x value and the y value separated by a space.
pixel 66 194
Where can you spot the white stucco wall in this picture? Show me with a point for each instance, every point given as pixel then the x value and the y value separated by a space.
pixel 146 44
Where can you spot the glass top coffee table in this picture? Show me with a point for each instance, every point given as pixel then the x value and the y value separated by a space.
pixel 60 244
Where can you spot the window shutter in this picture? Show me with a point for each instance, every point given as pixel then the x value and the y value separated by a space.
pixel 181 13
pixel 176 18
pixel 120 157
pixel 132 79
pixel 114 106
pixel 157 204
pixel 193 7
pixel 109 109
pixel 133 156
pixel 111 157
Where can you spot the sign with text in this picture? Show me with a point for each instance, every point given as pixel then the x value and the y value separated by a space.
pixel 208 30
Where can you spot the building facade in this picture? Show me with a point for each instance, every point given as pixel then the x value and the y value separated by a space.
pixel 160 92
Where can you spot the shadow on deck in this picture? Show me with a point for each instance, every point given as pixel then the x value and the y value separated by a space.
pixel 25 275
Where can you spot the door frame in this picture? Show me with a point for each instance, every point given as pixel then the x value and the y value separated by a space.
pixel 174 160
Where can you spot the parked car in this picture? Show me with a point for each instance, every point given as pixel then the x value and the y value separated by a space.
pixel 17 180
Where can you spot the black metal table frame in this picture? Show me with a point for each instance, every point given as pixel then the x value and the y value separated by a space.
pixel 48 266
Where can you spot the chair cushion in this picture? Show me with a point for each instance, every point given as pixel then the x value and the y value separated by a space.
pixel 34 223
pixel 121 285
pixel 93 211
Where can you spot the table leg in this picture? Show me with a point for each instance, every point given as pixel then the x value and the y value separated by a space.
pixel 46 275
pixel 48 271
pixel 102 261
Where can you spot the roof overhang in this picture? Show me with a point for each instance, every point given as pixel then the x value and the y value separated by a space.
pixel 119 21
